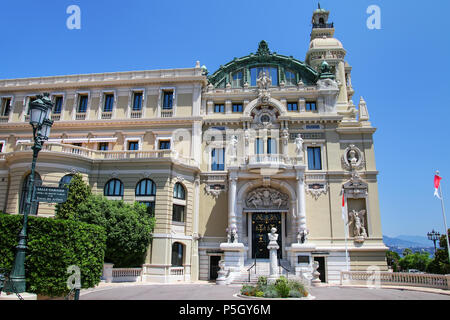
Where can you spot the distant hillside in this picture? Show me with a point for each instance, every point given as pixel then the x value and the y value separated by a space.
pixel 406 242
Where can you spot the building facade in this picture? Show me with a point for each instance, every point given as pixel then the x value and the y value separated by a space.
pixel 265 141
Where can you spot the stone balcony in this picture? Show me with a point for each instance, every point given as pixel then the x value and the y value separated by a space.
pixel 89 154
pixel 278 162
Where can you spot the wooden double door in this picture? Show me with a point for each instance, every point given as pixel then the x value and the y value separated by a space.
pixel 262 223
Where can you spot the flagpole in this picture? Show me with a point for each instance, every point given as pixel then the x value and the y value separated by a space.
pixel 445 220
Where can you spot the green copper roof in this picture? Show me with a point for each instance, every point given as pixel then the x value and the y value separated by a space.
pixel 264 57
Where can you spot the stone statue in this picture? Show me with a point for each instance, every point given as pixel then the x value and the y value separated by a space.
pixel 234 236
pixel 233 147
pixel 299 146
pixel 358 221
pixel 352 158
pixel 273 236
pixel 264 82
pixel 302 236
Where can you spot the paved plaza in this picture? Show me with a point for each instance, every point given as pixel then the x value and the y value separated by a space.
pixel 208 291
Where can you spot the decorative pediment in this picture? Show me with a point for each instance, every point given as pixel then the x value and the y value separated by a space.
pixel 356 187
pixel 266 198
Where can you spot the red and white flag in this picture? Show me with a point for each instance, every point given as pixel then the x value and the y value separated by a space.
pixel 437 182
pixel 344 208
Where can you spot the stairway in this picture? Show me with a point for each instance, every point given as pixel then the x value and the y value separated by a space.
pixel 262 269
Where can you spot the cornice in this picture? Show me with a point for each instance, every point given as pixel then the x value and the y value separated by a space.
pixel 351 130
pixel 147 77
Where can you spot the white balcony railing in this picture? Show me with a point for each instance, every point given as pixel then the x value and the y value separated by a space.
pixel 56 117
pixel 126 274
pixel 80 116
pixel 166 113
pixel 396 278
pixel 4 119
pixel 110 155
pixel 107 115
pixel 177 271
pixel 136 114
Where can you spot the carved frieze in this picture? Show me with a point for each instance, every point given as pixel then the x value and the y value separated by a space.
pixel 266 198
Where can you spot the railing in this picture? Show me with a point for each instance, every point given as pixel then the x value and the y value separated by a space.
pixel 80 116
pixel 56 117
pixel 4 119
pixel 127 274
pixel 323 25
pixel 107 115
pixel 166 114
pixel 253 266
pixel 136 114
pixel 109 155
pixel 397 278
pixel 267 159
pixel 177 271
pixel 281 267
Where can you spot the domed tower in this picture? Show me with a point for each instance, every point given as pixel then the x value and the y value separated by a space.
pixel 324 47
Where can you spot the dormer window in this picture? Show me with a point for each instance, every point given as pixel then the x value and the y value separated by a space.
pixel 271 72
pixel 290 78
pixel 237 81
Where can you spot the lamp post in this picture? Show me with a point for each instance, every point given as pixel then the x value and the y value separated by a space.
pixel 40 110
pixel 434 236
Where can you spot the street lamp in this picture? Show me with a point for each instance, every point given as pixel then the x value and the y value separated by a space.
pixel 40 110
pixel 434 236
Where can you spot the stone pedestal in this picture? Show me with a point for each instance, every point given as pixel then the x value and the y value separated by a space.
pixel 222 274
pixel 234 256
pixel 274 275
pixel 301 258
pixel 108 272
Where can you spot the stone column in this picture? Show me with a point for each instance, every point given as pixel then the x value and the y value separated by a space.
pixel 232 203
pixel 301 208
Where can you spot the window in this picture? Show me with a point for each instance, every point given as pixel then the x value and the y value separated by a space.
pixel 177 254
pixel 164 145
pixel 58 105
pixel 150 207
pixel 179 192
pixel 271 146
pixel 292 106
pixel 218 160
pixel 109 103
pixel 6 107
pixel 133 145
pixel 314 158
pixel 311 106
pixel 145 188
pixel 219 108
pixel 290 78
pixel 1 147
pixel 178 213
pixel 65 181
pixel 237 108
pixel 114 188
pixel 30 99
pixel 259 146
pixel 103 146
pixel 237 80
pixel 24 194
pixel 82 107
pixel 271 72
pixel 137 101
pixel 168 100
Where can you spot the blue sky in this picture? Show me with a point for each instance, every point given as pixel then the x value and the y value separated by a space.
pixel 402 70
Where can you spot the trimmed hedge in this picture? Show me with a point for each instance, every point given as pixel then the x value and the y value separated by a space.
pixel 53 246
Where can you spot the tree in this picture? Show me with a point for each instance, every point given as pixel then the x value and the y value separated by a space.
pixel 417 260
pixel 79 192
pixel 128 226
pixel 393 258
pixel 406 252
pixel 440 264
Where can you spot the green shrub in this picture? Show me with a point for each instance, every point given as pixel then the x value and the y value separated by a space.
pixel 128 226
pixel 248 291
pixel 262 281
pixel 271 293
pixel 295 294
pixel 259 294
pixel 53 246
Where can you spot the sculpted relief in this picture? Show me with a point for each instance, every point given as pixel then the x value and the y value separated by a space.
pixel 266 198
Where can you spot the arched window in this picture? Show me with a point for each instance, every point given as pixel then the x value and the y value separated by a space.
pixel 65 181
pixel 145 194
pixel 177 254
pixel 179 205
pixel 114 188
pixel 179 192
pixel 24 193
pixel 145 188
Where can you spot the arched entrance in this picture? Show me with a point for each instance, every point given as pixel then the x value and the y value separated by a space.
pixel 264 208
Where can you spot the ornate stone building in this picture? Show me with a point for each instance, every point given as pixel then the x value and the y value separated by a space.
pixel 265 141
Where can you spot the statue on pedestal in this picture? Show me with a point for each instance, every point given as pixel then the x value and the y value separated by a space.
pixel 273 248
pixel 357 218
pixel 299 146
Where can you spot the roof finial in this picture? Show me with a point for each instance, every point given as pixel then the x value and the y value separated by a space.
pixel 319 5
